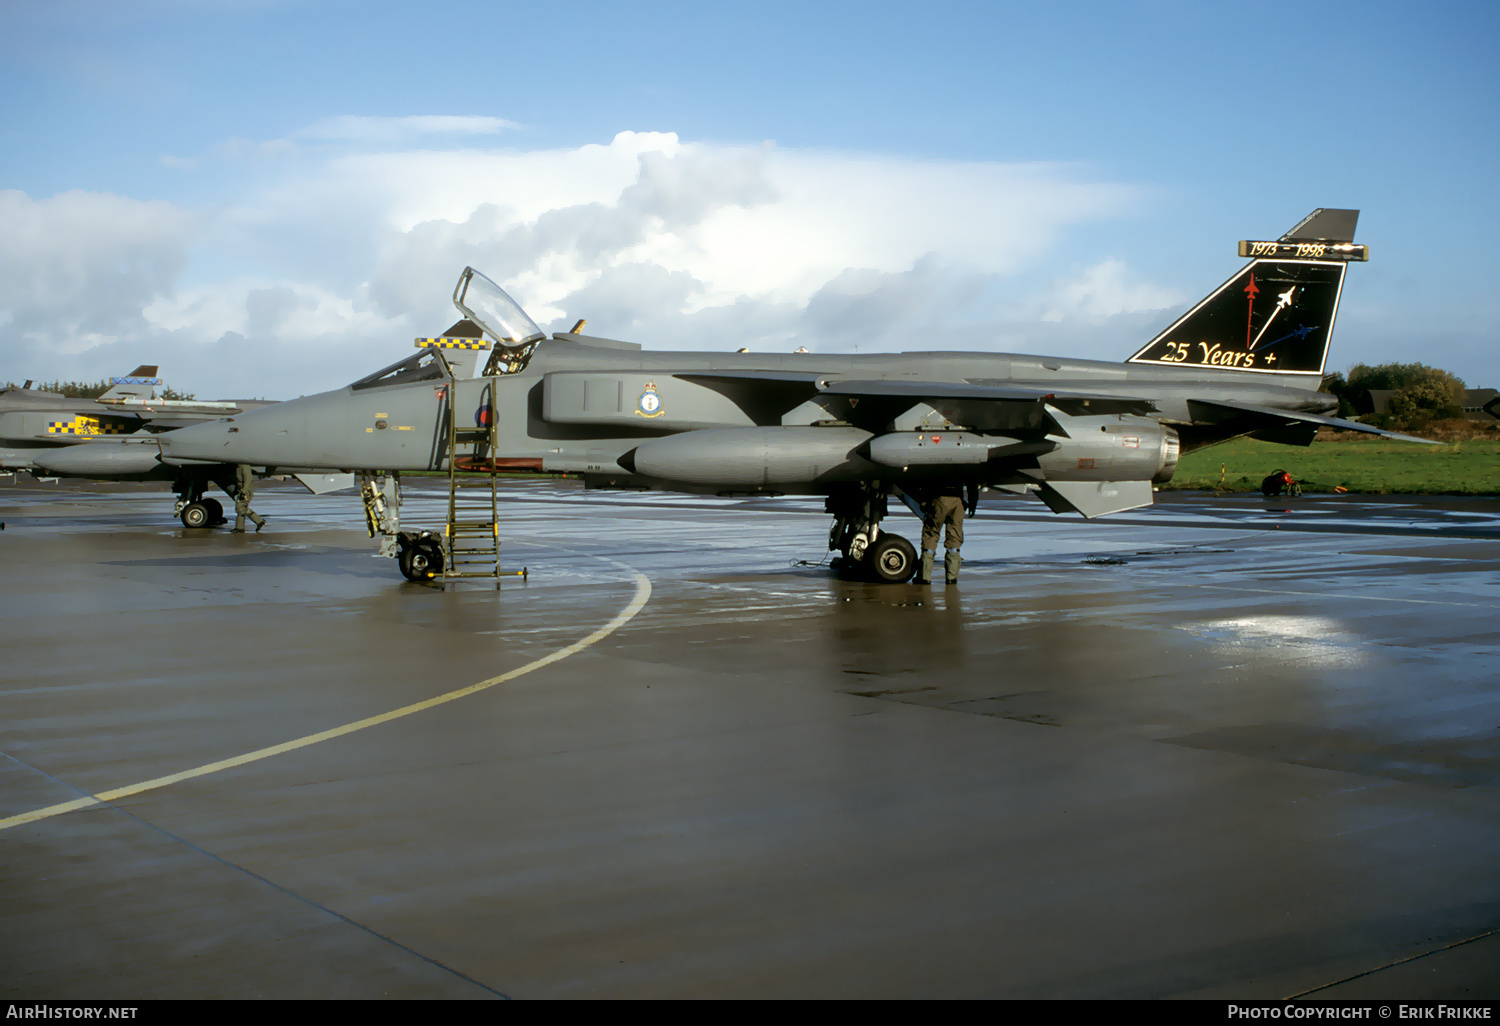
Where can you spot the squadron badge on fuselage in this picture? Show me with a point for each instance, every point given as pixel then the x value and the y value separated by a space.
pixel 649 404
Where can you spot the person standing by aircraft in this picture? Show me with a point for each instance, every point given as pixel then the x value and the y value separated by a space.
pixel 244 491
pixel 944 513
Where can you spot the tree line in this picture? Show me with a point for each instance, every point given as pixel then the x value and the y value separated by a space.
pixel 1422 394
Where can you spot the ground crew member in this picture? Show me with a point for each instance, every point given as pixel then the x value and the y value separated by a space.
pixel 943 512
pixel 244 481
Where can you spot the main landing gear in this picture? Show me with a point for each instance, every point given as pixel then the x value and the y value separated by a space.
pixel 864 549
pixel 193 509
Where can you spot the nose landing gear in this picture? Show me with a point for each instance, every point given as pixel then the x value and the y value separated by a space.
pixel 420 556
pixel 193 509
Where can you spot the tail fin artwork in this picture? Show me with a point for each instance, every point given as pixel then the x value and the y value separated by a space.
pixel 1275 316
pixel 138 384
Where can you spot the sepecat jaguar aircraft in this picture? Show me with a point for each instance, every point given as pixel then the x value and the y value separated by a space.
pixel 1084 436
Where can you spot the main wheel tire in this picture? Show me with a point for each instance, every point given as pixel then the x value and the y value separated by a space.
pixel 215 512
pixel 421 561
pixel 196 514
pixel 892 558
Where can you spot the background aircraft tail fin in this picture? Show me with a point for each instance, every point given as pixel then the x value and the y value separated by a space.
pixel 1276 315
pixel 138 384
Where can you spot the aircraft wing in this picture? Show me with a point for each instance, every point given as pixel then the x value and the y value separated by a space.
pixel 918 391
pixel 815 382
pixel 768 394
pixel 61 439
pixel 890 395
pixel 1286 418
pixel 809 378
pixel 175 422
pixel 161 408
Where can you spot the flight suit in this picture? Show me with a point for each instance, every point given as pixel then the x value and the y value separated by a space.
pixel 244 480
pixel 945 514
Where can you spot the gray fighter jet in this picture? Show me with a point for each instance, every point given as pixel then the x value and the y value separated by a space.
pixel 113 438
pixel 1084 436
pixel 34 421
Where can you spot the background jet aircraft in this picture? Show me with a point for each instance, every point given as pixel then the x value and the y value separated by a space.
pixel 114 437
pixel 1084 436
pixel 35 422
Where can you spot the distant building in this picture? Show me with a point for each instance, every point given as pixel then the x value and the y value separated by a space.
pixel 1479 403
pixel 1482 404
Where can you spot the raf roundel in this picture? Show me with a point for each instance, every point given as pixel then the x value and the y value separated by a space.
pixel 649 404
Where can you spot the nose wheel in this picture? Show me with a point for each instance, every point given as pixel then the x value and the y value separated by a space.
pixel 197 514
pixel 420 559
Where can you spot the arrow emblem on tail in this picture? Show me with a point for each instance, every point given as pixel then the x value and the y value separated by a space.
pixel 1299 332
pixel 1252 292
pixel 1282 302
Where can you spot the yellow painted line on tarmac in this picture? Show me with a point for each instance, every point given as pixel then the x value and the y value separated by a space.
pixel 636 604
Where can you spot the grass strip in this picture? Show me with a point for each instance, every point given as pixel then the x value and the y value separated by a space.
pixel 1368 466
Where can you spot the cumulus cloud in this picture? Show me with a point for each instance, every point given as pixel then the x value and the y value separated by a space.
pixel 78 268
pixel 341 254
pixel 1103 291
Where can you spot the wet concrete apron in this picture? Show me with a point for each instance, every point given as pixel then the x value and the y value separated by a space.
pixel 1215 748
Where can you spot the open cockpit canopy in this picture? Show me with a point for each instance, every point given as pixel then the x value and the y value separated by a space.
pixel 488 308
pixel 488 305
pixel 501 318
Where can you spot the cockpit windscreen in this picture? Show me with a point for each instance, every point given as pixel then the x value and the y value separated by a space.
pixel 423 366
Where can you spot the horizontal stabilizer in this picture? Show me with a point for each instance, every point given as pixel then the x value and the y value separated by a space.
pixel 1281 418
pixel 1094 498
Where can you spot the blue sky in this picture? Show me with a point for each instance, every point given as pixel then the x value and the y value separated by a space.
pixel 226 187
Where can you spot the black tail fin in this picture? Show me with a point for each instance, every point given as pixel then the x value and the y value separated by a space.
pixel 1276 315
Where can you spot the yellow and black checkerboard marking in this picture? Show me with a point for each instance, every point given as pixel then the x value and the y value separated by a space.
pixel 453 343
pixel 82 425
